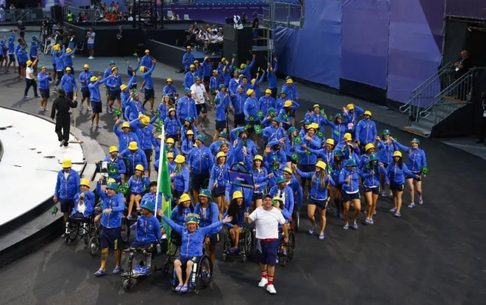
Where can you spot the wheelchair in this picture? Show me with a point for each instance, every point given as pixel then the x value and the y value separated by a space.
pixel 79 227
pixel 289 247
pixel 173 248
pixel 245 244
pixel 95 240
pixel 131 277
pixel 200 277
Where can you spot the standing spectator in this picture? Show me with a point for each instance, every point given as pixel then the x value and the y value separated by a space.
pixel 2 14
pixel 62 106
pixel 255 24
pixel 21 28
pixel 91 40
pixel 119 39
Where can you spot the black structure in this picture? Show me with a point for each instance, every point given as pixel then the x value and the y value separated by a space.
pixel 237 43
pixel 57 14
pixel 131 43
pixel 145 13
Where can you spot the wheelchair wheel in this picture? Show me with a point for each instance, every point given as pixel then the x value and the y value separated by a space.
pixel 291 246
pixel 128 284
pixel 73 229
pixel 204 273
pixel 125 230
pixel 94 246
pixel 226 245
pixel 248 242
pixel 296 220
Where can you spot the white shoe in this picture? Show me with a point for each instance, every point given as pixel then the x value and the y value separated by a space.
pixel 271 289
pixel 263 282
pixel 91 57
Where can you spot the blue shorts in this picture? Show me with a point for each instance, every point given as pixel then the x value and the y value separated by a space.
pixel 374 190
pixel 220 125
pixel 345 197
pixel 145 246
pixel 44 93
pixel 85 92
pixel 149 94
pixel 219 191
pixel 199 181
pixel 110 238
pixel 96 106
pixel 115 95
pixel 321 204
pixel 257 196
pixel 184 260
pixel 269 252
pixel 90 45
pixel 396 187
pixel 66 205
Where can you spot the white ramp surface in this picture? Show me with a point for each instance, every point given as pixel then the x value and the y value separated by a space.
pixel 31 160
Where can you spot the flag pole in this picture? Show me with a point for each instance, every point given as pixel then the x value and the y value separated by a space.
pixel 161 156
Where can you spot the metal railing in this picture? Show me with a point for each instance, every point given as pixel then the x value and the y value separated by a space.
pixel 31 14
pixel 458 92
pixel 424 93
pixel 290 15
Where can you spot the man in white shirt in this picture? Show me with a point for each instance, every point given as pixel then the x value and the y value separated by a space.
pixel 200 95
pixel 30 80
pixel 267 218
pixel 91 40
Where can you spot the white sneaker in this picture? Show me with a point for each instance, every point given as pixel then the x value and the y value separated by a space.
pixel 271 289
pixel 91 57
pixel 263 282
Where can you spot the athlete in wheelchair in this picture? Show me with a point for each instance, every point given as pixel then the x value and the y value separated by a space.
pixel 147 243
pixel 178 215
pixel 237 236
pixel 198 266
pixel 80 222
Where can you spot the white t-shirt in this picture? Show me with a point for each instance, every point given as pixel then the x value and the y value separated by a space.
pixel 199 92
pixel 29 71
pixel 91 38
pixel 267 222
pixel 81 207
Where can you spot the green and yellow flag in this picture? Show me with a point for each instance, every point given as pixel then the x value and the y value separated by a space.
pixel 163 184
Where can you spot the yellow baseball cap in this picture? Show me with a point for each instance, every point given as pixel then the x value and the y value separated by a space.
pixel 369 146
pixel 180 159
pixel 86 66
pixel 133 145
pixel 321 164
pixel 84 182
pixel 67 163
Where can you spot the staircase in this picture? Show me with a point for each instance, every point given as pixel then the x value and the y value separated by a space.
pixel 437 98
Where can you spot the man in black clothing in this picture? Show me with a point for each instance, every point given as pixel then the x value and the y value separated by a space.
pixel 483 118
pixel 462 67
pixel 63 118
pixel 21 28
pixel 255 24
